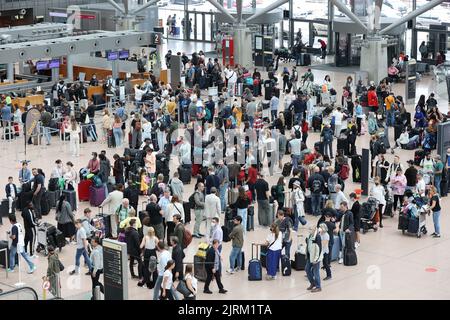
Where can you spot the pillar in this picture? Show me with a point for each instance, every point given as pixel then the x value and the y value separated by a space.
pixel 330 32
pixel 69 63
pixel 414 34
pixel 115 69
pixel 242 47
pixel 375 57
pixel 291 24
pixel 10 72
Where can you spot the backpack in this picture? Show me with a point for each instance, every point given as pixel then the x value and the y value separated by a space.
pixel 192 200
pixel 344 172
pixel 332 182
pixel 273 192
pixel 187 238
pixel 152 263
pixel 97 182
pixel 381 148
pixel 316 186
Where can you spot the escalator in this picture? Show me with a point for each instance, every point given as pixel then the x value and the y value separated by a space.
pixel 24 293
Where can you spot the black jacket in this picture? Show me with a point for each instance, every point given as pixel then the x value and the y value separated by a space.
pixel 133 243
pixel 8 191
pixel 29 219
pixel 210 258
pixel 347 221
pixel 178 256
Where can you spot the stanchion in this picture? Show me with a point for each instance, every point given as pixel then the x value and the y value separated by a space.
pixel 97 293
pixel 19 284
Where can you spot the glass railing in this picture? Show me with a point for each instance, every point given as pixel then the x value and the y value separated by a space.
pixel 24 293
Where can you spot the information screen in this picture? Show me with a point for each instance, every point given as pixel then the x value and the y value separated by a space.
pixel 124 54
pixel 112 55
pixel 54 63
pixel 41 65
pixel 113 271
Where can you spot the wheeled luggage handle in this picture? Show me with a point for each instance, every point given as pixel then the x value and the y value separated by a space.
pixel 100 211
pixel 257 245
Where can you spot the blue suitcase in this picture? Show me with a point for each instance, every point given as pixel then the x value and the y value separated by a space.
pixel 336 248
pixel 254 266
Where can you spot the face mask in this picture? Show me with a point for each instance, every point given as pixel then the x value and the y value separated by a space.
pixel 213 224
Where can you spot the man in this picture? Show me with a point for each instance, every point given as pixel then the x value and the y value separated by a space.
pixel 30 223
pixel 215 233
pixel 164 257
pixel 211 181
pixel 411 176
pixel 251 111
pixel 316 184
pixel 212 209
pixel 124 211
pixel 223 174
pixel 46 119
pixel 393 167
pixel 274 104
pixel 262 197
pixel 86 222
pixel 427 164
pixel 389 102
pixel 299 106
pixel 295 148
pixel 284 223
pixel 346 226
pixel 178 230
pixel 113 200
pixel 340 197
pixel 38 190
pixel 177 256
pixel 438 167
pixel 11 193
pixel 133 248
pixel 313 258
pixel 82 245
pixel 176 186
pixel 58 171
pixel 210 105
pixel 237 243
pixel 338 117
pixel 327 140
pixel 17 245
pixel 97 265
pixel 199 209
pixel 156 216
pixel 213 266
pixel 24 173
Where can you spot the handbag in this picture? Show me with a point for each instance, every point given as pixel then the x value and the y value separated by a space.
pixel 61 266
pixel 183 289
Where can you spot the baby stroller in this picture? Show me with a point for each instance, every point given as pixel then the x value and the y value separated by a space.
pixel 368 215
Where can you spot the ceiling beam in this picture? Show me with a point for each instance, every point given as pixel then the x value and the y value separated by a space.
pixel 263 11
pixel 343 8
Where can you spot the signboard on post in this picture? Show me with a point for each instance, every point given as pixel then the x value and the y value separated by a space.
pixel 410 86
pixel 443 139
pixel 115 270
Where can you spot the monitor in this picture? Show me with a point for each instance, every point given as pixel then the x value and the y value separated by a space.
pixel 54 63
pixel 112 55
pixel 41 65
pixel 124 54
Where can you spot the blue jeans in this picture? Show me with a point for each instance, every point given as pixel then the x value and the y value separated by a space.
pixel 437 184
pixel 328 149
pixel 82 252
pixel 296 213
pixel 46 133
pixel 273 260
pixel 235 254
pixel 223 196
pixel 436 222
pixel 273 114
pixel 12 258
pixel 243 214
pixel 251 120
pixel 118 136
pixel 390 117
pixel 316 199
pixel 295 159
pixel 313 273
pixel 287 248
pixel 299 117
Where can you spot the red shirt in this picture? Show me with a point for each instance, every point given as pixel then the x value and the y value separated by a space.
pixel 252 175
pixel 372 99
pixel 258 124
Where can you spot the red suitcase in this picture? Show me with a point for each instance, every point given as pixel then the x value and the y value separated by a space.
pixel 195 169
pixel 83 190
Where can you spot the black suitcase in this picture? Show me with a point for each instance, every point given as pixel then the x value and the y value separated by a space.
pixel 263 256
pixel 53 197
pixel 356 168
pixel 350 258
pixel 342 144
pixel 285 266
pixel 4 208
pixel 444 188
pixel 299 261
pixel 413 225
pixel 268 88
pixel 318 146
pixel 71 197
pixel 187 212
pixel 111 141
pixel 306 59
pixel 199 268
pixel 185 174
pixel 60 240
pixel 402 222
pixel 287 169
pixel 53 184
pixel 226 234
pixel 317 123
pixel 45 204
pixel 398 128
pixel 308 206
pixel 4 245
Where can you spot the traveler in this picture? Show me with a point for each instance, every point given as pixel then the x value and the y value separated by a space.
pixel 316 184
pixel 133 249
pixel 237 237
pixel 356 208
pixel 24 173
pixel 113 200
pixel 223 174
pixel 97 265
pixel 378 192
pixel 16 234
pixel 213 266
pixel 298 202
pixel 265 213
pixel 167 283
pixel 148 245
pixel 212 209
pixel 435 207
pixel 11 194
pixel 327 140
pixel 65 218
pixel 314 255
pixel 340 196
pixel 274 243
pixel 82 244
pixel 176 186
pixel 284 224
pixel 191 282
pixel 241 205
pixel 74 131
pixel 398 186
pixel 118 169
pixel 53 271
pixel 178 231
pixel 199 209
pixel 177 256
pixel 38 190
pixel 346 225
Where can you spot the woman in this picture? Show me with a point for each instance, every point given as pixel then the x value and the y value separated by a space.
pixel 372 124
pixel 148 244
pixel 117 131
pixel 325 237
pixel 65 218
pixel 167 283
pixel 191 282
pixel 174 207
pixel 74 132
pixel 107 123
pixel 349 87
pixel 382 167
pixel 270 146
pixel 378 192
pixel 398 186
pixel 241 204
pixel 327 85
pixel 150 162
pixel 298 201
pixel 421 104
pixel 278 192
pixel 118 169
pixel 286 77
pixel 70 177
pixel 435 207
pixel 356 210
pixel 372 99
pixel 420 118
pixel 274 246
pixel 53 270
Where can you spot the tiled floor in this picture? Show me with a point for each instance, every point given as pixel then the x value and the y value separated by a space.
pixel 390 265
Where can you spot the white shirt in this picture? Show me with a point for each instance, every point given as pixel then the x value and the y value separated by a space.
pixel 11 189
pixel 212 206
pixel 172 209
pixel 270 144
pixel 277 245
pixel 57 172
pixel 169 276
pixel 114 199
pixel 404 138
pixel 378 193
pixel 340 196
pixel 194 281
pixel 420 187
pixel 164 257
pixel 338 117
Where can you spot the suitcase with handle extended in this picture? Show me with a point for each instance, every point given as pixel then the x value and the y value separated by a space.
pixel 3 259
pixel 71 197
pixel 96 195
pixel 336 248
pixel 287 169
pixel 199 268
pixel 187 212
pixel 53 198
pixel 254 266
pixel 83 189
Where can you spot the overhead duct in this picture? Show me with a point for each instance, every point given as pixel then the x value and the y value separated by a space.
pixel 145 6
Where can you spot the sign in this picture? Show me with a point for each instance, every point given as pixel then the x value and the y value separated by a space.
pixel 115 270
pixel 87 16
pixel 443 139
pixel 258 43
pixel 156 38
pixel 58 14
pixel 410 88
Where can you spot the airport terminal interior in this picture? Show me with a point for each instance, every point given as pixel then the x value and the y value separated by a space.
pixel 80 77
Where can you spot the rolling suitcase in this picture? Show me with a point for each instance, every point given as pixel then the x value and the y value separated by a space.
pixel 350 258
pixel 185 174
pixel 45 204
pixel 444 188
pixel 306 59
pixel 250 218
pixel 254 266
pixel 4 208
pixel 403 222
pixel 233 194
pixel 287 169
pixel 96 195
pixel 199 268
pixel 308 206
pixel 226 234
pixel 285 266
pixel 263 255
pixel 53 197
pixel 187 212
pixel 60 240
pixel 4 245
pixel 299 262
pixel 342 144
pixel 71 197
pixel 83 190
pixel 397 131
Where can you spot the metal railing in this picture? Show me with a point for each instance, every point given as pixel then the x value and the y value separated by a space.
pixel 19 294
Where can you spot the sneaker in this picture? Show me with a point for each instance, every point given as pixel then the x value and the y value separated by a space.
pixel 437 236
pixel 230 271
pixel 207 291
pixel 316 290
pixel 326 278
pixel 10 270
pixel 223 291
pixel 196 236
pixel 73 272
pixel 310 287
pixel 433 234
pixel 32 270
pixel 341 260
pixel 201 235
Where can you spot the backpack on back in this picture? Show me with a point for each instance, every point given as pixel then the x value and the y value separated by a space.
pixel 316 186
pixel 192 201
